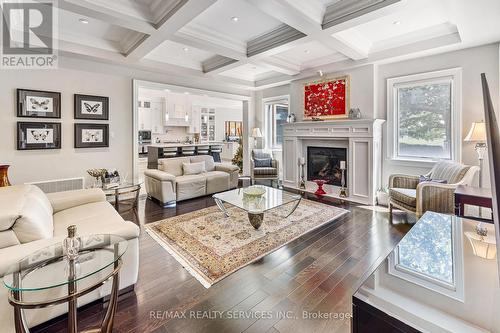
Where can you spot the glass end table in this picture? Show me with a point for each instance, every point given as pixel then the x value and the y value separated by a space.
pixel 123 189
pixel 49 269
pixel 256 206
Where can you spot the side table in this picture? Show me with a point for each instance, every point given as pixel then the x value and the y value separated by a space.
pixel 468 195
pixel 124 189
pixel 49 270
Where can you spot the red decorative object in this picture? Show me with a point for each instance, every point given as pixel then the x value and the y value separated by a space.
pixel 320 192
pixel 4 178
pixel 328 99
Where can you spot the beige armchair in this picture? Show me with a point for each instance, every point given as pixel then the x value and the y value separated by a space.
pixel 263 173
pixel 408 194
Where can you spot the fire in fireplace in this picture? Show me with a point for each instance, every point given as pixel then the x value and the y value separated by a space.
pixel 324 163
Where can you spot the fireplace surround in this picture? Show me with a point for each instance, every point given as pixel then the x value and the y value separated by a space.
pixel 361 141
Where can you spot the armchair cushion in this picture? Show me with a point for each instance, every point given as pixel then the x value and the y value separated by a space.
pixel 262 162
pixel 406 196
pixel 65 200
pixel 449 171
pixel 260 153
pixel 265 171
pixel 429 179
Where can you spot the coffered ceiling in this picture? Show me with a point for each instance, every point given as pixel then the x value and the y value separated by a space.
pixel 253 44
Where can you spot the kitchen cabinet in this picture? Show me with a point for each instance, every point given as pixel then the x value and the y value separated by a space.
pixel 150 116
pixel 195 120
pixel 207 132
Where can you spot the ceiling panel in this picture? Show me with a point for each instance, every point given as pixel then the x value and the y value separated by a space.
pixel 251 21
pixel 306 53
pixel 179 54
pixel 249 72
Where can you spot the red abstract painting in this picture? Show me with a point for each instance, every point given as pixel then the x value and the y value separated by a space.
pixel 327 99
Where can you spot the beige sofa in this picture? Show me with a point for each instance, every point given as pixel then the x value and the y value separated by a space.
pixel 169 183
pixel 31 220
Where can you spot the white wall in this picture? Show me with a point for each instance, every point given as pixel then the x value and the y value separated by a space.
pixel 473 62
pixel 31 165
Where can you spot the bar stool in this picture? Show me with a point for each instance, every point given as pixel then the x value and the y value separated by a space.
pixel 188 151
pixel 170 152
pixel 215 151
pixel 203 150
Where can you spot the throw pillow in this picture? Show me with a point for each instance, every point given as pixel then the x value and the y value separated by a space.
pixel 429 179
pixel 262 162
pixel 193 168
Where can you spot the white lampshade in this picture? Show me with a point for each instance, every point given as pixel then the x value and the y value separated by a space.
pixel 477 132
pixel 256 133
pixel 484 247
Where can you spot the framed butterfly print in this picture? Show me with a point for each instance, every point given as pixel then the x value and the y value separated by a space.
pixel 32 136
pixel 91 107
pixel 38 104
pixel 91 135
pixel 327 99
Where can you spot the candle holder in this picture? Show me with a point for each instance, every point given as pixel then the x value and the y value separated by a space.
pixel 71 244
pixel 302 183
pixel 343 189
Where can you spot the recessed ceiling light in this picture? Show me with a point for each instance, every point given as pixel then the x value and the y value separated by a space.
pixel 307 51
pixel 84 21
pixel 396 22
pixel 186 93
pixel 235 18
pixel 185 49
pixel 320 73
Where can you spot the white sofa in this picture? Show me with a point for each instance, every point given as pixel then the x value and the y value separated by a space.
pixel 169 183
pixel 31 220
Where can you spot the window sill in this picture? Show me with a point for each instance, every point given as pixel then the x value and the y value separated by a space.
pixel 410 162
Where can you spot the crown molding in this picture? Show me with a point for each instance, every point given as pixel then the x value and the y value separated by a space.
pixel 281 35
pixel 343 11
pixel 216 62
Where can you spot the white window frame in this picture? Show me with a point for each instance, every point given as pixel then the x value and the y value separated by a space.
pixel 453 75
pixel 270 128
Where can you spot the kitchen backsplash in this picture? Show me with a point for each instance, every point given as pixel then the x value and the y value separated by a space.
pixel 173 134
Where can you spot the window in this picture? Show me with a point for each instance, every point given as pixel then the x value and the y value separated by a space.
pixel 424 116
pixel 276 114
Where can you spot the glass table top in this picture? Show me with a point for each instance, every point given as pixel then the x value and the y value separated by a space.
pixel 272 198
pixel 49 267
pixel 122 186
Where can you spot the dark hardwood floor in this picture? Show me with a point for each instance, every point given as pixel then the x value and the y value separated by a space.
pixel 290 290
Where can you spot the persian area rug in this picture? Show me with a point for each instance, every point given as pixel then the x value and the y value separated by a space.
pixel 211 246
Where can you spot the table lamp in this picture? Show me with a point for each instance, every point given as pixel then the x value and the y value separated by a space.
pixel 256 133
pixel 477 134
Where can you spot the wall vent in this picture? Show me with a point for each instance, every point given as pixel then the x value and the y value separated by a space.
pixel 60 185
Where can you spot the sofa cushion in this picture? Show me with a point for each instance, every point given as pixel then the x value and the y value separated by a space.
pixel 193 168
pixel 405 195
pixel 69 199
pixel 34 213
pixel 94 218
pixel 8 238
pixel 209 161
pixel 11 202
pixel 217 181
pixel 265 171
pixel 449 171
pixel 191 186
pixel 173 166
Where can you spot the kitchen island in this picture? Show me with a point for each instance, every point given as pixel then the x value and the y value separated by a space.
pixel 155 151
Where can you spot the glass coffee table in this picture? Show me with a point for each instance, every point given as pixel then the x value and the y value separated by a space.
pixel 47 278
pixel 257 205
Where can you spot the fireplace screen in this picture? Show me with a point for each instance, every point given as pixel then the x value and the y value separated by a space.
pixel 324 163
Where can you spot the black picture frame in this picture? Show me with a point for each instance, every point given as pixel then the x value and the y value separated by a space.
pixel 91 107
pixel 38 104
pixel 38 135
pixel 97 132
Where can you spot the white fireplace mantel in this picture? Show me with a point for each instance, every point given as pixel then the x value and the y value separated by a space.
pixel 363 139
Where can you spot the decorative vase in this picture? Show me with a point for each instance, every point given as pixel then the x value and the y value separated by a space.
pixel 320 191
pixel 72 243
pixel 4 177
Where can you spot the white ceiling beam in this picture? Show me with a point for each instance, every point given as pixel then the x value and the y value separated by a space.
pixel 278 65
pixel 91 10
pixel 287 12
pixel 207 45
pixel 178 17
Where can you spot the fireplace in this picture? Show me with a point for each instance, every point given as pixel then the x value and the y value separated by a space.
pixel 324 163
